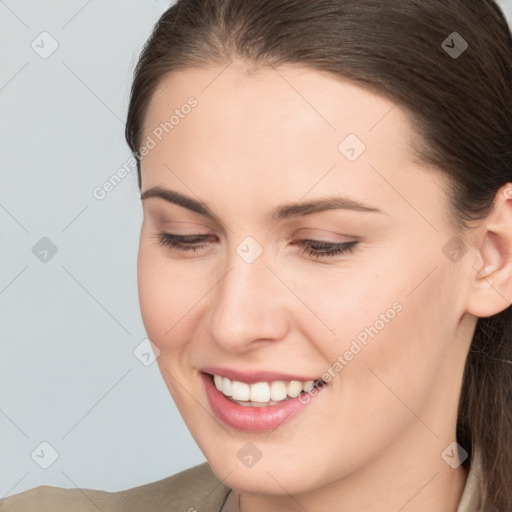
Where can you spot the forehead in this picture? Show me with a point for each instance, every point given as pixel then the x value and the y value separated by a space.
pixel 278 104
pixel 286 131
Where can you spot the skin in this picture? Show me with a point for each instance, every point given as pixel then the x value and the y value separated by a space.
pixel 259 138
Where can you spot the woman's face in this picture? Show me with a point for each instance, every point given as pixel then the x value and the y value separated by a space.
pixel 382 321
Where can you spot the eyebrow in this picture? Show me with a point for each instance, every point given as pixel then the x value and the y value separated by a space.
pixel 277 214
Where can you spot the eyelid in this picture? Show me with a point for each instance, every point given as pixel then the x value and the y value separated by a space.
pixel 321 250
pixel 165 224
pixel 296 238
pixel 328 237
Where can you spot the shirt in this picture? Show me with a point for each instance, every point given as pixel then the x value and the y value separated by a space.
pixel 196 489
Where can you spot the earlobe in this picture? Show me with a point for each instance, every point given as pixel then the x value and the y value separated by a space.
pixel 491 289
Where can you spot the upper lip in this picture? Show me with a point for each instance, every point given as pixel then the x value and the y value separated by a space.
pixel 253 376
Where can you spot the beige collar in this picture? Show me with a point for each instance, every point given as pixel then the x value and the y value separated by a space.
pixel 471 499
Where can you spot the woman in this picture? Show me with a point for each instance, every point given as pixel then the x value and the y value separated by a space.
pixel 326 255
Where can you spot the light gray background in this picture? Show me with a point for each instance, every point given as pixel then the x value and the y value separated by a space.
pixel 69 326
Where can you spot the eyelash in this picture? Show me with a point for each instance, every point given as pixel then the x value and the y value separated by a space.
pixel 330 249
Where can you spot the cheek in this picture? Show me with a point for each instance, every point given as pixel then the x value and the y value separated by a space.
pixel 346 304
pixel 406 360
pixel 382 321
pixel 164 297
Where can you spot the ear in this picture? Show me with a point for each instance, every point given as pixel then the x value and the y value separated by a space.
pixel 491 288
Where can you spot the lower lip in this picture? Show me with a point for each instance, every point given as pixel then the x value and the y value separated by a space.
pixel 254 419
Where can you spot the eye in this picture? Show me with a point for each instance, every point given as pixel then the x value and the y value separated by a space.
pixel 182 242
pixel 315 248
pixel 323 249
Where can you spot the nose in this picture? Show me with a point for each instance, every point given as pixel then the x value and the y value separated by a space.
pixel 248 306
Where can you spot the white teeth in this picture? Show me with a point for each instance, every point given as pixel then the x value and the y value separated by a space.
pixel 240 390
pixel 259 394
pixel 226 386
pixel 308 386
pixel 278 390
pixel 218 381
pixel 294 388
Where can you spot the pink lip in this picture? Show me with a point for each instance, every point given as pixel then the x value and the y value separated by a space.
pixel 255 419
pixel 251 377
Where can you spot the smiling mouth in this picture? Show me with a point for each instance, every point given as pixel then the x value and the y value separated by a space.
pixel 256 405
pixel 264 393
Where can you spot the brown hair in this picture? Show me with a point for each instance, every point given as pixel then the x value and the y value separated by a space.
pixel 461 106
